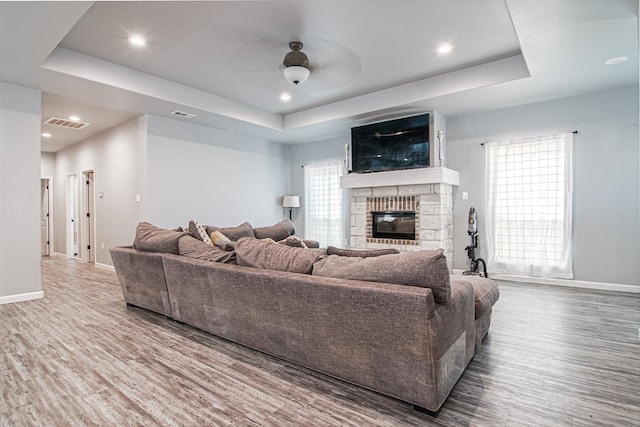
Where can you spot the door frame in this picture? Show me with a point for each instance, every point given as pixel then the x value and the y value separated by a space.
pixel 88 206
pixel 50 221
pixel 69 229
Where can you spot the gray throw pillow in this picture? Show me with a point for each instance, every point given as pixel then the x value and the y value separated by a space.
pixel 194 248
pixel 427 269
pixel 233 233
pixel 277 232
pixel 155 239
pixel 262 254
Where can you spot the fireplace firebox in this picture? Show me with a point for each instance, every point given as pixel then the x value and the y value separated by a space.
pixel 394 225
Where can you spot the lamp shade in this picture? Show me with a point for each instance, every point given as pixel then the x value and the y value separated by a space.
pixel 291 202
pixel 296 74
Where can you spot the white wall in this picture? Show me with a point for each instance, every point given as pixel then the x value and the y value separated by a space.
pixel 606 179
pixel 20 276
pixel 212 176
pixel 114 156
pixel 47 164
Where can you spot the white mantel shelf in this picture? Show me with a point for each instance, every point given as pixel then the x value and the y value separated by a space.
pixel 401 177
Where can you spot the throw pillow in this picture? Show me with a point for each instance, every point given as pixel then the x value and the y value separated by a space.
pixel 234 233
pixel 154 239
pixel 262 254
pixel 218 236
pixel 277 232
pixel 427 269
pixel 294 242
pixel 194 248
pixel 199 232
pixel 225 245
pixel 360 253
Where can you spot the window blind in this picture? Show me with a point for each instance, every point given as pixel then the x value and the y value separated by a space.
pixel 323 203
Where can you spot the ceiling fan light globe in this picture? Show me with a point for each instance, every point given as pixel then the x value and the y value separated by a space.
pixel 296 74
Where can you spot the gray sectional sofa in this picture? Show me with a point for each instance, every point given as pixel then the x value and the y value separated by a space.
pixel 395 323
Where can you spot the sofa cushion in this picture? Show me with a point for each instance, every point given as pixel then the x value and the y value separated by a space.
pixel 427 269
pixel 294 242
pixel 262 254
pixel 234 233
pixel 194 248
pixel 155 239
pixel 485 291
pixel 360 253
pixel 277 232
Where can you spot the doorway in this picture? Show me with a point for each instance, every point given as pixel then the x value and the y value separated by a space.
pixel 73 214
pixel 45 216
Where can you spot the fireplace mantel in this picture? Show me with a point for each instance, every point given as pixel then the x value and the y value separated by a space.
pixel 401 177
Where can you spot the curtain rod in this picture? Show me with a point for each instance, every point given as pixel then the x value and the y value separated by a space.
pixel 575 132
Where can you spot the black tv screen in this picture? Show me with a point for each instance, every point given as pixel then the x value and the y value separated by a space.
pixel 391 145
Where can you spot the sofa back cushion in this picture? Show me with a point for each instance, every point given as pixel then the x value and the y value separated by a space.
pixel 427 269
pixel 194 248
pixel 155 239
pixel 362 253
pixel 277 232
pixel 273 256
pixel 233 233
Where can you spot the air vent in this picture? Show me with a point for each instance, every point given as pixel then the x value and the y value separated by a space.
pixel 183 114
pixel 64 123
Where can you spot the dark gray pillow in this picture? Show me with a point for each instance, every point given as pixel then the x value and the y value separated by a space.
pixel 194 248
pixel 272 256
pixel 360 253
pixel 277 232
pixel 427 269
pixel 154 239
pixel 233 233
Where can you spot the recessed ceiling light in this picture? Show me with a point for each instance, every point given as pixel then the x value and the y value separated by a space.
pixel 285 97
pixel 46 135
pixel 137 40
pixel 74 118
pixel 445 48
pixel 617 60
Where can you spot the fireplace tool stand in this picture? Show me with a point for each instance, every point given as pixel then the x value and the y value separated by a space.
pixel 472 261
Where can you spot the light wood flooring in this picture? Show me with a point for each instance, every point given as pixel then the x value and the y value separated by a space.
pixel 79 357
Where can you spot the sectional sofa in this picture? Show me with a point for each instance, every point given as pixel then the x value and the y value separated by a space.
pixel 395 323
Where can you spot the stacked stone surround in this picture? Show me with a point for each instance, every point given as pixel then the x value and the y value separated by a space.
pixel 433 204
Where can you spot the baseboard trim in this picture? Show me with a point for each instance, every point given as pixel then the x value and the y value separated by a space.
pixel 617 287
pixel 21 297
pixel 59 254
pixel 105 266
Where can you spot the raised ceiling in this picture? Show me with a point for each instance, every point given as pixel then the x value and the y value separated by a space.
pixel 378 59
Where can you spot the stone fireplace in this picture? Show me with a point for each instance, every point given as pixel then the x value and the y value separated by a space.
pixel 427 193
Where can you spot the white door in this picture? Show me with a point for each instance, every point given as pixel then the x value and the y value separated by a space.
pixel 89 246
pixel 73 212
pixel 44 217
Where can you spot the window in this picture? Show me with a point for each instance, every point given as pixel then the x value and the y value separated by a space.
pixel 323 203
pixel 529 206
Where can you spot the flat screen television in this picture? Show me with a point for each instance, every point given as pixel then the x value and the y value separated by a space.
pixel 391 145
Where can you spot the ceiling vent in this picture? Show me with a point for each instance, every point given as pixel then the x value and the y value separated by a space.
pixel 65 123
pixel 183 114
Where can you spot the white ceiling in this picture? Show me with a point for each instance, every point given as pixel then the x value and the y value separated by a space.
pixel 371 60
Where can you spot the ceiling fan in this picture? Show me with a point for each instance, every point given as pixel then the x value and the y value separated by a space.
pixel 296 64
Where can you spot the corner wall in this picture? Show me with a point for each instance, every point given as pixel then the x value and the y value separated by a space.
pixel 606 176
pixel 20 272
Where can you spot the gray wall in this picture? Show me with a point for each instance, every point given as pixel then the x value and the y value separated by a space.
pixel 606 217
pixel 47 165
pixel 19 191
pixel 212 176
pixel 114 156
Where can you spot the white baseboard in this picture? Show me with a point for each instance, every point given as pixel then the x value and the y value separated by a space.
pixel 563 282
pixel 59 254
pixel 105 266
pixel 21 297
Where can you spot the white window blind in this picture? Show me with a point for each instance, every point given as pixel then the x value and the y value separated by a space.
pixel 529 206
pixel 323 203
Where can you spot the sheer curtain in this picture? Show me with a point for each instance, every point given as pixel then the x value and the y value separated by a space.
pixel 529 206
pixel 323 203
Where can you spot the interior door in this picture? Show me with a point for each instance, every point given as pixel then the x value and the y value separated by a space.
pixel 44 217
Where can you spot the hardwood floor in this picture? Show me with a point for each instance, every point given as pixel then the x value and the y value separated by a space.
pixel 80 357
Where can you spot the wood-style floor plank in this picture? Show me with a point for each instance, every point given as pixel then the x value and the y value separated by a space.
pixel 80 357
